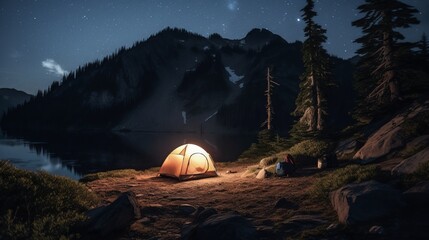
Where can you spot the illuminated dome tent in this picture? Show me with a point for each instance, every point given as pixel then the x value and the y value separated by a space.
pixel 188 161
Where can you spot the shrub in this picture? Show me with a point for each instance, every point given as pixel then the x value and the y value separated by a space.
pixel 36 205
pixel 267 145
pixel 340 177
pixel 310 148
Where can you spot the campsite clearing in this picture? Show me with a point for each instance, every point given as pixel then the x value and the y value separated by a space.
pixel 161 199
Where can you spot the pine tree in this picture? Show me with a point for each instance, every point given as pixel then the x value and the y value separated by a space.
pixel 311 103
pixel 381 48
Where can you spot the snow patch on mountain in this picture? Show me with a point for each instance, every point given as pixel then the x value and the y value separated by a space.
pixel 184 117
pixel 234 78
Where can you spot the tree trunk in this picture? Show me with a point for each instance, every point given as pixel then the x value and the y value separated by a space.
pixel 268 99
pixel 320 123
pixel 313 120
pixel 389 76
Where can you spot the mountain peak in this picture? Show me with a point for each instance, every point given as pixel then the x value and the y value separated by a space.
pixel 259 33
pixel 260 37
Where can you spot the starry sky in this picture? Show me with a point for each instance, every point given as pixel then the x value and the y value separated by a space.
pixel 40 40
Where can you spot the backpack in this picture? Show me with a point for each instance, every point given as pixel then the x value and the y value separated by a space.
pixel 285 167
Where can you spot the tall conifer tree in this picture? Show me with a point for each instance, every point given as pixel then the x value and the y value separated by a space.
pixel 378 78
pixel 311 103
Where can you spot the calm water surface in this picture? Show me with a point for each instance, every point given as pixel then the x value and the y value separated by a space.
pixel 74 155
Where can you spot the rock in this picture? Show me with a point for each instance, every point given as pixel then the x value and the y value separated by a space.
pixel 384 141
pixel 203 213
pixel 332 227
pixel 262 174
pixel 265 162
pixel 365 201
pixel 411 164
pixel 251 171
pixel 185 209
pixel 221 226
pixel 116 217
pixel 299 222
pixel 284 203
pixel 267 232
pixel 376 230
pixel 418 196
pixel 153 209
pixel 145 220
pixel 346 148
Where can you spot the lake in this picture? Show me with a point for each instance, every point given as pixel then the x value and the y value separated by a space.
pixel 74 155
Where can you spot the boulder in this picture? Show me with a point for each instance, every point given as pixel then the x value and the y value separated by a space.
pixel 262 174
pixel 365 201
pixel 418 196
pixel 389 138
pixel 185 209
pixel 411 164
pixel 251 171
pixel 384 141
pixel 114 218
pixel 221 226
pixel 376 230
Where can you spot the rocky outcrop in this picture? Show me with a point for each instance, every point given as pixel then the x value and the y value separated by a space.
pixel 221 226
pixel 389 137
pixel 114 218
pixel 381 143
pixel 365 201
pixel 412 163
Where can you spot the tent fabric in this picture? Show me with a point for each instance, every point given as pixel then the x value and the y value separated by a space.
pixel 188 161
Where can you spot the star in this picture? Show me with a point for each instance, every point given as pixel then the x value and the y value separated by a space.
pixel 298 19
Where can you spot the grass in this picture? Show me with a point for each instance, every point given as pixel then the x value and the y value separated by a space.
pixel 342 176
pixel 113 174
pixel 37 205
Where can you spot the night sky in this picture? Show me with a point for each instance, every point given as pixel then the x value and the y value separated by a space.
pixel 41 40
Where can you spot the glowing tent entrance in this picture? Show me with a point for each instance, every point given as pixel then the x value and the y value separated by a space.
pixel 187 162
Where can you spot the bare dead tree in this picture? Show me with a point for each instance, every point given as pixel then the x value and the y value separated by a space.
pixel 268 93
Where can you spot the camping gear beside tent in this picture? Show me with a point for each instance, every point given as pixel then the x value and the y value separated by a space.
pixel 188 161
pixel 285 167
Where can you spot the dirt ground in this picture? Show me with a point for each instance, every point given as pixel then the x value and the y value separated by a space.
pixel 161 199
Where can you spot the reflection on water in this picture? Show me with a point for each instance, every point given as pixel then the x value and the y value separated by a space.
pixel 74 155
